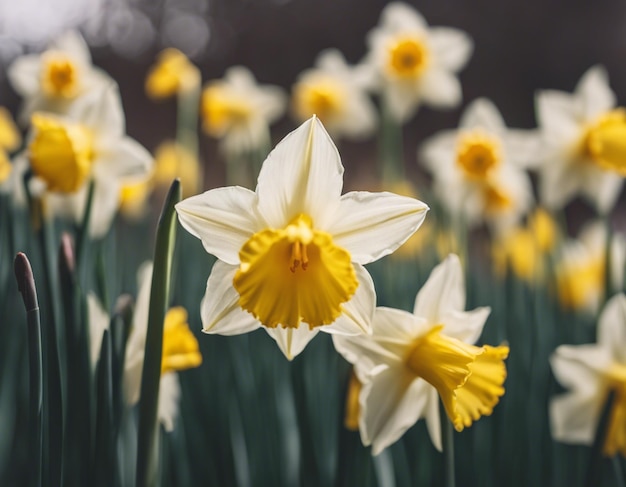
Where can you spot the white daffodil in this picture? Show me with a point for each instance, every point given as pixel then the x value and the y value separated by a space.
pixel 580 268
pixel 335 92
pixel 413 63
pixel 53 80
pixel 585 143
pixel 411 359
pixel 291 254
pixel 477 169
pixel 180 349
pixel 66 153
pixel 238 111
pixel 589 372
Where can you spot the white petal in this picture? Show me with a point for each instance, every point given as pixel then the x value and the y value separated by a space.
pixel 452 48
pixel 219 309
pixel 401 100
pixel 131 380
pixel 358 312
pixel 444 291
pixel 391 401
pixel 557 114
pixel 574 417
pixel 101 110
pixel 398 16
pixel 72 43
pixel 372 225
pixel 292 341
pixel 465 325
pixel 223 218
pixel 524 148
pixel 580 367
pixel 433 420
pixel 612 327
pixel 596 95
pixel 24 74
pixel 482 113
pixel 601 188
pixel 303 174
pixel 98 322
pixel 558 184
pixel 169 397
pixel 438 152
pixel 441 89
pixel 104 207
pixel 122 158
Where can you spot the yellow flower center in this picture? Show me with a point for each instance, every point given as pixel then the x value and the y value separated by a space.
pixel 133 198
pixel 353 409
pixel 5 167
pixel 578 282
pixel 519 250
pixel 605 141
pixel 294 274
pixel 544 229
pixel 60 153
pixel 496 199
pixel 59 76
pixel 171 74
pixel 477 154
pixel 321 96
pixel 468 378
pixel 171 161
pixel 180 347
pixel 615 441
pixel 408 57
pixel 222 109
pixel 10 137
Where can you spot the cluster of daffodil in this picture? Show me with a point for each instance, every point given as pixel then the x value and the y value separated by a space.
pixel 546 319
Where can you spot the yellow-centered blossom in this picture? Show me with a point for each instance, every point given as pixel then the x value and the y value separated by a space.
pixel 410 63
pixel 478 168
pixel 291 253
pixel 171 74
pixel 238 111
pixel 53 80
pixel 171 161
pixel 413 359
pixel 10 138
pixel 335 93
pixel 589 372
pixel 87 144
pixel 584 151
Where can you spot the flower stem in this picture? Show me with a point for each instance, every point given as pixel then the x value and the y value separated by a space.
pixel 447 438
pixel 26 286
pixel 147 441
pixel 594 470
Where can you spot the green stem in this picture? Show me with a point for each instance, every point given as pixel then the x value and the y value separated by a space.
pixel 447 439
pixel 188 104
pixel 608 285
pixel 594 471
pixel 26 286
pixel 147 441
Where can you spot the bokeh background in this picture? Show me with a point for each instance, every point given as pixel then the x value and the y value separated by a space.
pixel 520 47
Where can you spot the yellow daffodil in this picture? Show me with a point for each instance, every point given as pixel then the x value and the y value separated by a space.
pixel 584 149
pixel 171 161
pixel 171 74
pixel 66 153
pixel 180 352
pixel 580 268
pixel 589 372
pixel 412 63
pixel 52 80
pixel 291 254
pixel 238 111
pixel 478 168
pixel 10 137
pixel 413 359
pixel 335 92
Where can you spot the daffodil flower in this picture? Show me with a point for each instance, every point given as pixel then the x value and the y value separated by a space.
pixel 291 254
pixel 335 92
pixel 65 153
pixel 412 63
pixel 171 74
pixel 580 268
pixel 53 80
pixel 180 348
pixel 478 168
pixel 585 152
pixel 589 372
pixel 413 359
pixel 238 111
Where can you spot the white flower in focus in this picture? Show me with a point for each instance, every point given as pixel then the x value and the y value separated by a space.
pixel 335 93
pixel 585 138
pixel 66 152
pixel 580 268
pixel 238 111
pixel 291 254
pixel 413 359
pixel 413 63
pixel 53 80
pixel 589 372
pixel 478 168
